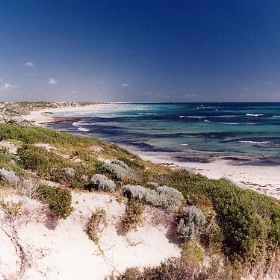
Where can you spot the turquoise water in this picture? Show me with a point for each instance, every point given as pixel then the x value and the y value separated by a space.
pixel 247 133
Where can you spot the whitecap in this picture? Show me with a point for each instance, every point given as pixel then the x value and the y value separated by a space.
pixel 77 124
pixel 254 115
pixel 83 129
pixel 193 117
pixel 230 123
pixel 254 142
pixel 85 123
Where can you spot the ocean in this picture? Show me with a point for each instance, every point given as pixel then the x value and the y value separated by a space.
pixel 243 133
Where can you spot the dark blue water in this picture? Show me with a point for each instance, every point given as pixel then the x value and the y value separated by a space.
pixel 246 133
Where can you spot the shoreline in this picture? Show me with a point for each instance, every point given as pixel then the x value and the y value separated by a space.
pixel 263 179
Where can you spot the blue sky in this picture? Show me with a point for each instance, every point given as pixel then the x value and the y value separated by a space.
pixel 140 50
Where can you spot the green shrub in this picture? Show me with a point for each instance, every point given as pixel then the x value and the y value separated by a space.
pixel 249 221
pixel 46 164
pixel 10 162
pixel 177 268
pixel 194 253
pixel 58 199
pixel 53 167
pixel 32 135
pixel 10 207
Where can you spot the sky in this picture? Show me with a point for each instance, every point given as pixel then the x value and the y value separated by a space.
pixel 140 50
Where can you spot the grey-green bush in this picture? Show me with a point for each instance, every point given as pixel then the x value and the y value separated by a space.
pixel 169 198
pixel 164 197
pixel 120 163
pixel 190 222
pixel 9 176
pixel 69 172
pixel 118 168
pixel 101 182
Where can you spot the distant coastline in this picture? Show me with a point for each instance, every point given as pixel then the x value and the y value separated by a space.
pixel 264 179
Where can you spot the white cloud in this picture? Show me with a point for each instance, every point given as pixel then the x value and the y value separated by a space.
pixel 7 86
pixel 52 81
pixel 29 64
pixel 125 85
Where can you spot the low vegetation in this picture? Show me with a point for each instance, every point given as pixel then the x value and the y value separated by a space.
pixel 58 199
pixel 10 207
pixel 101 182
pixel 164 197
pixel 181 268
pixel 95 224
pixel 133 215
pixel 190 223
pixel 241 225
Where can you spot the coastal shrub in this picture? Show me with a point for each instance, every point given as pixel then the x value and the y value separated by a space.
pixel 152 184
pixel 69 172
pixel 6 159
pixel 32 135
pixel 249 221
pixel 133 215
pixel 120 163
pixel 10 207
pixel 52 166
pixel 101 182
pixel 190 222
pixel 58 199
pixel 194 252
pixel 117 168
pixel 135 192
pixel 67 142
pixel 165 197
pixel 177 268
pixel 9 162
pixel 46 164
pixel 170 198
pixel 96 221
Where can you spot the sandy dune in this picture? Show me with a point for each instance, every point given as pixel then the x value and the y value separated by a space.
pixel 66 252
